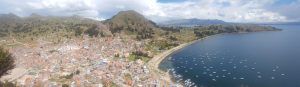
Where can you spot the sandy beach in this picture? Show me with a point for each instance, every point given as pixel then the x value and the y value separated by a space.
pixel 153 64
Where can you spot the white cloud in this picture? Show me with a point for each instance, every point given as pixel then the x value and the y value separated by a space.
pixel 228 10
pixel 234 10
pixel 291 11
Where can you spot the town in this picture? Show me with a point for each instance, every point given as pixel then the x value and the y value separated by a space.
pixel 80 63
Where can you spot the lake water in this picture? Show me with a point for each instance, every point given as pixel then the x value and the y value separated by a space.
pixel 261 59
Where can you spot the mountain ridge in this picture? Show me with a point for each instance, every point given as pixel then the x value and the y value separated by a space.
pixel 124 23
pixel 193 22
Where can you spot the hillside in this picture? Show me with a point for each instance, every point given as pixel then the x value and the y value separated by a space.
pixel 49 27
pixel 125 24
pixel 131 23
pixel 233 28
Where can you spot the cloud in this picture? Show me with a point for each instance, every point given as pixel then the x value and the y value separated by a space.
pixel 228 10
pixel 290 11
pixel 65 7
pixel 233 10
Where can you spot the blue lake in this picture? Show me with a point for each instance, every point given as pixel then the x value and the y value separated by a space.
pixel 261 59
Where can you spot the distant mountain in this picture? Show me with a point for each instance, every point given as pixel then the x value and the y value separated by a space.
pixel 9 18
pixel 34 15
pixel 125 23
pixel 131 23
pixel 10 15
pixel 193 22
pixel 36 25
pixel 281 23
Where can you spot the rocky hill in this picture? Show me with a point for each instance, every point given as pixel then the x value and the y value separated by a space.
pixel 36 26
pixel 131 23
pixel 125 24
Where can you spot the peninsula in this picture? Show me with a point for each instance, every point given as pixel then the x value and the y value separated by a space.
pixel 124 51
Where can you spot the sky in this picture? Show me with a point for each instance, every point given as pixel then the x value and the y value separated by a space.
pixel 162 10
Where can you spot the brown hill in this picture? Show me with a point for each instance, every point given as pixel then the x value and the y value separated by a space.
pixel 131 23
pixel 37 25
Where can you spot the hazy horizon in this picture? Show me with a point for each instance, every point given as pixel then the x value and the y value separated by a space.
pixel 252 11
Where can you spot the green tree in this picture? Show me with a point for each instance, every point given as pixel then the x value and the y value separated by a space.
pixel 6 61
pixel 65 85
pixel 7 84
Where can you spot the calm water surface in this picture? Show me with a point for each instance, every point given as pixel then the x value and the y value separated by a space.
pixel 262 59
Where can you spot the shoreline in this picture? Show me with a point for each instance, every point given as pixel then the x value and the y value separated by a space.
pixel 154 63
